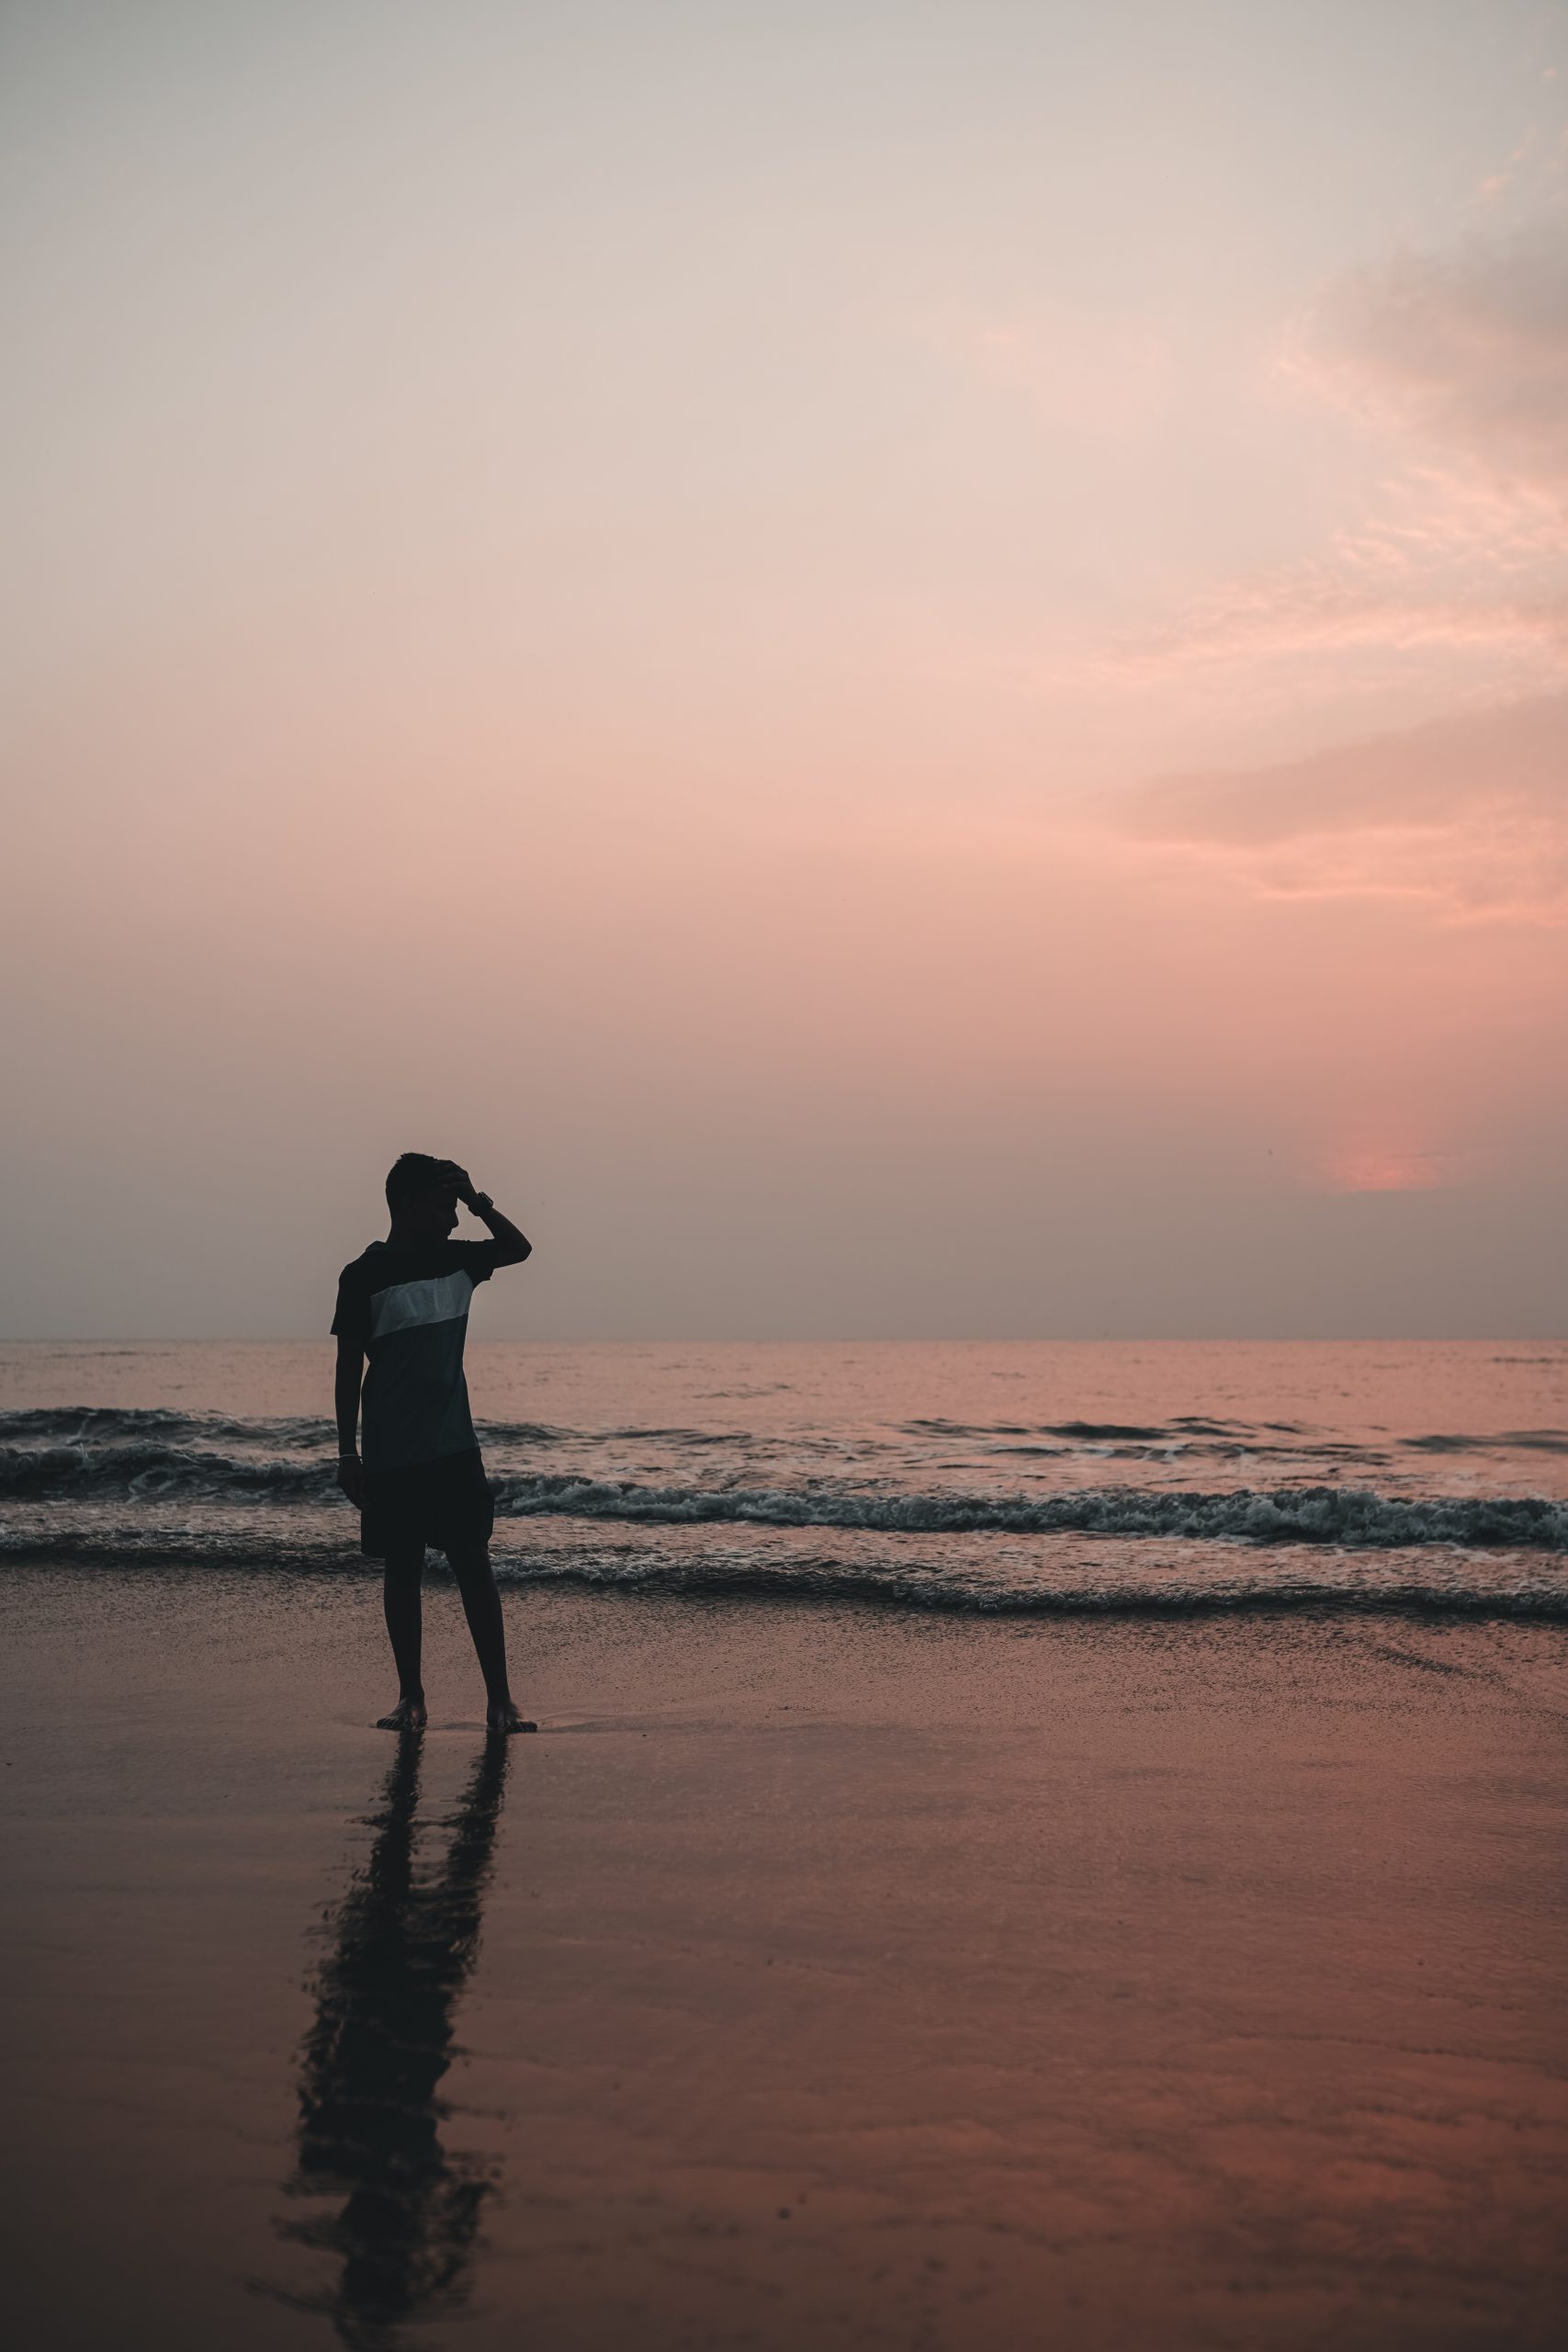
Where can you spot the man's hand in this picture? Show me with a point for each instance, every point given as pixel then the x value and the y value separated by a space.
pixel 346 1404
pixel 513 1246
pixel 460 1180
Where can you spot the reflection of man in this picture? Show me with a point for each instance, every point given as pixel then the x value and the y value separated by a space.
pixel 404 1304
pixel 402 1953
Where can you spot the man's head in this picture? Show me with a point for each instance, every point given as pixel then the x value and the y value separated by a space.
pixel 422 1194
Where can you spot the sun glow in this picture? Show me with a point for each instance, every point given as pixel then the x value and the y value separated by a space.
pixel 1378 1169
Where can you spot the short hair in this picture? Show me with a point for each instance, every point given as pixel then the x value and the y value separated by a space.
pixel 413 1171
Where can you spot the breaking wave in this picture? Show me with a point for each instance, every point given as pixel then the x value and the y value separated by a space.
pixel 1281 1515
pixel 150 1469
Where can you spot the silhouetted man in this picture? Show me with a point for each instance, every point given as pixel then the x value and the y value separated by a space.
pixel 404 1305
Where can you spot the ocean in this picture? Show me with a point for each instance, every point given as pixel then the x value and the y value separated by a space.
pixel 1027 1477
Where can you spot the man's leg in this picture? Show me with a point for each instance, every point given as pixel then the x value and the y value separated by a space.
pixel 481 1606
pixel 400 1598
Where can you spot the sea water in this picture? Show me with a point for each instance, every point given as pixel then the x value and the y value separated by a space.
pixel 985 1476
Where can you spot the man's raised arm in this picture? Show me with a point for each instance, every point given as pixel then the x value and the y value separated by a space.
pixel 513 1246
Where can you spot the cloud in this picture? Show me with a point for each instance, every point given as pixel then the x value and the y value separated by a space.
pixel 1469 812
pixel 1469 349
pixel 1349 603
pixel 1462 551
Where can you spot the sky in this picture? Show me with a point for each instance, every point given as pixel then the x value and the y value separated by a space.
pixel 904 667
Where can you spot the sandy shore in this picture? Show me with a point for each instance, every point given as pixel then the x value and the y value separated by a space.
pixel 816 1977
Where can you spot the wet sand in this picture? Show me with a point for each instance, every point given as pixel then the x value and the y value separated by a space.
pixel 817 1976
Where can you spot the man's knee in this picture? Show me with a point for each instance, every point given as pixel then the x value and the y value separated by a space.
pixel 469 1563
pixel 404 1564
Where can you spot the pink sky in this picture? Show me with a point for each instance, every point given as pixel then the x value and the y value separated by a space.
pixel 908 668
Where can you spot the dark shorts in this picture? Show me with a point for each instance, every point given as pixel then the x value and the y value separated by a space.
pixel 443 1504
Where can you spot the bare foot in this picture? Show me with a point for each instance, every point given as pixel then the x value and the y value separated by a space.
pixel 407 1715
pixel 506 1719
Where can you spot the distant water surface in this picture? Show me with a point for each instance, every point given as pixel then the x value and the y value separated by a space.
pixel 1021 1475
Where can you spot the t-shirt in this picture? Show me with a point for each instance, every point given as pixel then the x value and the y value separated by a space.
pixel 408 1309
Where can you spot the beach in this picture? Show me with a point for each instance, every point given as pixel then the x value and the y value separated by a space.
pixel 818 1973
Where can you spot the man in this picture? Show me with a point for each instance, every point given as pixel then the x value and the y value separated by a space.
pixel 404 1305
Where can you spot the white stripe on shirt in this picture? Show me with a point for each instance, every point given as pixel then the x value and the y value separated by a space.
pixel 441 1300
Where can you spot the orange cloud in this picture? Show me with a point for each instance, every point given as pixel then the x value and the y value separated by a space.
pixel 1471 812
pixel 1463 550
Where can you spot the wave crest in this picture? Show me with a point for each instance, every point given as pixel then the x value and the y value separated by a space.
pixel 149 1468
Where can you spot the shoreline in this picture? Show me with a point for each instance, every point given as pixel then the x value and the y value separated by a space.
pixel 1096 1576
